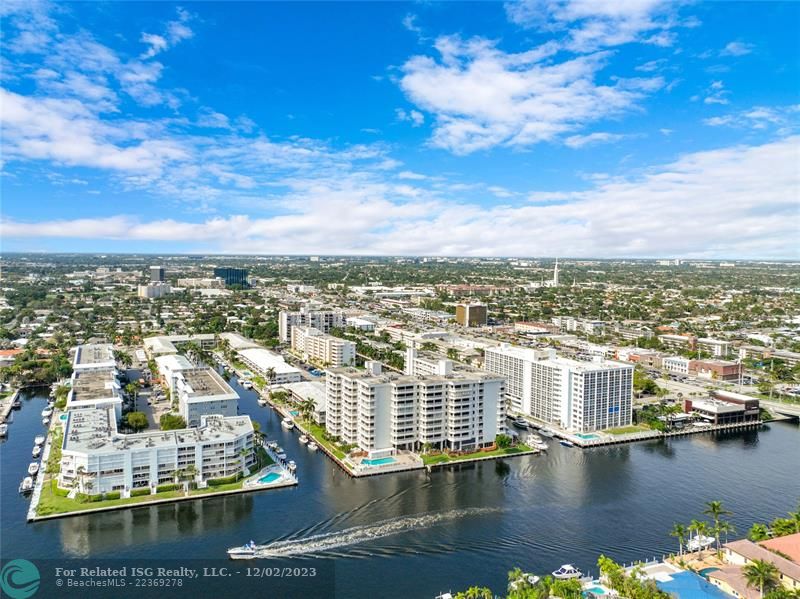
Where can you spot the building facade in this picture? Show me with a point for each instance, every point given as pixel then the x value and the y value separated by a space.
pixel 472 315
pixel 316 346
pixel 322 320
pixel 157 274
pixel 232 276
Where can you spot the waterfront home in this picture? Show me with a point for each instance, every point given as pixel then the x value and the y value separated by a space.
pixel 782 552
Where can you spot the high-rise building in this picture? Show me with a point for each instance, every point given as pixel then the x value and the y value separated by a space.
pixel 156 274
pixel 574 395
pixel 232 276
pixel 471 315
pixel 322 320
pixel 383 413
pixel 316 346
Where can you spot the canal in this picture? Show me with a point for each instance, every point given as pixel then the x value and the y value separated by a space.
pixel 417 534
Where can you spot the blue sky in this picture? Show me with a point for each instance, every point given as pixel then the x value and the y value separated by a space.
pixel 537 128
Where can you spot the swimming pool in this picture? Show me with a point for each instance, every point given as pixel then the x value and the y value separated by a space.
pixel 378 461
pixel 294 412
pixel 587 436
pixel 706 571
pixel 596 591
pixel 269 478
pixel 688 585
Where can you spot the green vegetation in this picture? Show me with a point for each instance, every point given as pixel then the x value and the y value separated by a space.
pixel 697 528
pixel 761 575
pixel 430 459
pixel 322 438
pixel 779 527
pixel 170 422
pixel 52 502
pixel 136 420
pixel 216 482
pixel 168 487
pixel 627 430
pixel 54 459
pixel 632 585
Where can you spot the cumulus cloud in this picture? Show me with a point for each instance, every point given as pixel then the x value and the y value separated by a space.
pixel 736 49
pixel 415 117
pixel 579 141
pixel 174 32
pixel 593 24
pixel 483 97
pixel 738 201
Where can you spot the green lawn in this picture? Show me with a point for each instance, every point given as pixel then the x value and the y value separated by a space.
pixel 316 431
pixel 443 458
pixel 50 503
pixel 626 430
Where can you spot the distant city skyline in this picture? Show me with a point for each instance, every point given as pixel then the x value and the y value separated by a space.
pixel 540 128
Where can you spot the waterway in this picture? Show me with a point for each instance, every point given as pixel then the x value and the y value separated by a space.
pixel 417 534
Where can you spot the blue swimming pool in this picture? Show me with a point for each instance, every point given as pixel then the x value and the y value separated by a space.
pixel 688 585
pixel 587 436
pixel 596 591
pixel 706 571
pixel 294 412
pixel 269 478
pixel 378 461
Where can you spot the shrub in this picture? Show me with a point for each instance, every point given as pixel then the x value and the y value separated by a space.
pixel 112 495
pixel 140 492
pixel 216 482
pixel 165 488
pixel 170 422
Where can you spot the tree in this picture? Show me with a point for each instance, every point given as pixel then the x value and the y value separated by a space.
pixel 136 420
pixel 716 511
pixel 567 589
pixel 475 593
pixel 758 532
pixel 503 441
pixel 760 574
pixel 452 354
pixel 679 532
pixel 170 422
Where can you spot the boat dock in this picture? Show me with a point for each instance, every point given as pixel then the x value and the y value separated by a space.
pixel 6 405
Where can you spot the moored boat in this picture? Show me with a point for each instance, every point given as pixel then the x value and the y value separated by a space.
pixel 292 466
pixel 45 421
pixel 37 451
pixel 699 542
pixel 39 439
pixel 33 468
pixel 566 443
pixel 262 402
pixel 47 412
pixel 567 571
pixel 287 423
pixel 303 439
pixel 3 430
pixel 26 486
pixel 546 432
pixel 312 446
pixel 520 422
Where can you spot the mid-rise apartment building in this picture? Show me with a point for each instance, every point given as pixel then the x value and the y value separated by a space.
pixel 676 364
pixel 384 413
pixel 96 458
pixel 316 346
pixel 154 290
pixel 203 392
pixel 322 320
pixel 472 315
pixel 574 395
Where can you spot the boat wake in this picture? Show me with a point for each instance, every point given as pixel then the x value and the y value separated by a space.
pixel 362 534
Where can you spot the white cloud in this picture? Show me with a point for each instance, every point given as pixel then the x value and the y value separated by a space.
pixel 736 49
pixel 716 93
pixel 652 65
pixel 410 23
pixel 483 97
pixel 415 117
pixel 174 32
pixel 738 201
pixel 411 175
pixel 782 118
pixel 593 24
pixel 578 141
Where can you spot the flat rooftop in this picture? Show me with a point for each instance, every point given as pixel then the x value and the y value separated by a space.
pixel 94 353
pixel 264 360
pixel 94 384
pixel 95 430
pixel 205 382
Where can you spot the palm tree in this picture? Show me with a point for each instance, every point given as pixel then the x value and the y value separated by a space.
pixel 716 511
pixel 761 574
pixel 726 527
pixel 270 372
pixel 758 532
pixel 679 532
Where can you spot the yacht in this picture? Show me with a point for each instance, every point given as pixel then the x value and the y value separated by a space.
pixel 566 443
pixel 546 432
pixel 541 446
pixel 532 438
pixel 262 402
pixel 312 446
pixel 26 486
pixel 567 571
pixel 45 421
pixel 3 430
pixel 699 542
pixel 37 451
pixel 520 423
pixel 280 453
pixel 287 424
pixel 247 551
pixel 33 468
pixel 272 445
pixel 39 439
pixel 47 412
pixel 303 439
pixel 292 466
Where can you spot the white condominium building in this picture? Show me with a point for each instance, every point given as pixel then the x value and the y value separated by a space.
pixel 154 290
pixel 574 395
pixel 676 364
pixel 324 349
pixel 203 392
pixel 94 356
pixel 383 413
pixel 96 458
pixel 269 365
pixel 95 388
pixel 323 320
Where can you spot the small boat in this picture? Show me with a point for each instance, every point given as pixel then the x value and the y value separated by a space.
pixel 247 385
pixel 39 439
pixel 3 430
pixel 45 421
pixel 312 446
pixel 541 446
pixel 566 443
pixel 287 424
pixel 272 445
pixel 520 423
pixel 281 454
pixel 534 439
pixel 525 580
pixel 546 432
pixel 303 439
pixel 17 405
pixel 33 468
pixel 47 412
pixel 699 542
pixel 37 451
pixel 247 551
pixel 292 466
pixel 567 571
pixel 26 486
pixel 262 402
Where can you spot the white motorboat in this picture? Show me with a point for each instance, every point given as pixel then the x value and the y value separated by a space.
pixel 567 571
pixel 312 446
pixel 247 551
pixel 272 445
pixel 45 421
pixel 699 542
pixel 534 439
pixel 292 466
pixel 262 402
pixel 26 486
pixel 287 424
pixel 247 385
pixel 37 451
pixel 520 423
pixel 546 432
pixel 33 468
pixel 280 453
pixel 702 424
pixel 303 439
pixel 542 446
pixel 47 412
pixel 39 439
pixel 566 443
pixel 3 430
